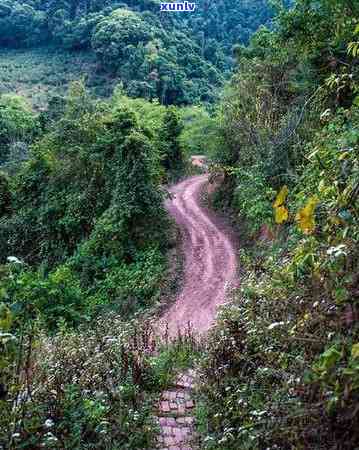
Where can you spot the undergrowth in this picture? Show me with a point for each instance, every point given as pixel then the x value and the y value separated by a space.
pixel 92 388
pixel 281 369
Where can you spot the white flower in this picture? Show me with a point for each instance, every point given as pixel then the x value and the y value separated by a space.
pixel 49 423
pixel 275 325
pixel 13 259
pixel 336 252
pixel 325 114
pixel 50 437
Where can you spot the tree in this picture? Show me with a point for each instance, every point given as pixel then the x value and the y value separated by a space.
pixel 114 33
pixel 21 24
pixel 18 124
pixel 5 194
pixel 169 142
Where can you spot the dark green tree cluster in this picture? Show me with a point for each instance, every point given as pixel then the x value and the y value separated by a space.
pixel 169 143
pixel 177 58
pixel 88 202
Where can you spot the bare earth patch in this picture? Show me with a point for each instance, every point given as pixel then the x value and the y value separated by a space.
pixel 210 260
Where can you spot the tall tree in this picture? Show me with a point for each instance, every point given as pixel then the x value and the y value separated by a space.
pixel 169 141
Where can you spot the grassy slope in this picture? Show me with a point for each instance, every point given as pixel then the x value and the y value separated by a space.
pixel 37 74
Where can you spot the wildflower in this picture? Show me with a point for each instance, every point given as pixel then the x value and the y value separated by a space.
pixel 14 260
pixel 275 325
pixel 50 438
pixel 336 252
pixel 325 115
pixel 49 423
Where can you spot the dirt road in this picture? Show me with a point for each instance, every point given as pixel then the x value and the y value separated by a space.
pixel 210 259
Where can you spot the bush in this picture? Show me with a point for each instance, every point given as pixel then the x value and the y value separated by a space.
pixel 50 299
pixel 86 389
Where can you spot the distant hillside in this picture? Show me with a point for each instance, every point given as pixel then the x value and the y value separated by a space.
pixel 180 58
pixel 41 73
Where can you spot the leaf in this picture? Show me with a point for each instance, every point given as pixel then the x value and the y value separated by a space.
pixel 329 358
pixel 353 49
pixel 281 214
pixel 5 318
pixel 355 351
pixel 305 217
pixel 345 215
pixel 281 197
pixel 321 186
pixel 343 156
pixel 332 404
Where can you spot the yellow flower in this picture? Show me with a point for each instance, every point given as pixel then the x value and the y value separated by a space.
pixel 281 214
pixel 280 211
pixel 281 197
pixel 305 217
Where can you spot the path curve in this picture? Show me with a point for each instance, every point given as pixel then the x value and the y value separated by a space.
pixel 210 259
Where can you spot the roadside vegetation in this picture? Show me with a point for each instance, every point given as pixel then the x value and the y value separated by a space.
pixel 85 241
pixel 282 366
pixel 84 245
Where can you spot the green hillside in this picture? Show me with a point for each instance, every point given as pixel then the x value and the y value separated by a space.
pixel 102 104
pixel 179 59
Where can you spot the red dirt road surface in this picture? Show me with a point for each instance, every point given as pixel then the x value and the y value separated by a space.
pixel 210 259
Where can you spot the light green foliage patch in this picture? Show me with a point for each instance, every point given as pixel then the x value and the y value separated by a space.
pixel 41 73
pixel 18 126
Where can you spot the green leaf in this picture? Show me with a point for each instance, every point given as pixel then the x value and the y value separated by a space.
pixel 5 318
pixel 329 358
pixel 355 351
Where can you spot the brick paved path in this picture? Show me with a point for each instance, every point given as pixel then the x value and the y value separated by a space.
pixel 175 415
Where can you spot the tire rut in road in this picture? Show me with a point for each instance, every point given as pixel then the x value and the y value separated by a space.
pixel 210 260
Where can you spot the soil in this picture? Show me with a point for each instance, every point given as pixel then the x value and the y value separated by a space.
pixel 210 269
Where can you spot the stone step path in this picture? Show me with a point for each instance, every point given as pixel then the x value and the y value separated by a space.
pixel 175 415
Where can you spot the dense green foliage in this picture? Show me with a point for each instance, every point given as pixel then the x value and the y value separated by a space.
pixel 178 58
pixel 18 126
pixel 88 206
pixel 282 366
pixel 84 237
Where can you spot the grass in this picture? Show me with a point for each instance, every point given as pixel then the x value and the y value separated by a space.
pixel 37 74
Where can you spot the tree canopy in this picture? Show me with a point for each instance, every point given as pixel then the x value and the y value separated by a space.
pixel 177 58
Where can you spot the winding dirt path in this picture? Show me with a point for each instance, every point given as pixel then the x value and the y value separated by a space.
pixel 210 259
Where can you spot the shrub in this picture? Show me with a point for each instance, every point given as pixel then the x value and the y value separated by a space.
pixel 87 389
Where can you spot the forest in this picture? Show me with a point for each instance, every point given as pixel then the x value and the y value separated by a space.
pixel 179 59
pixel 96 236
